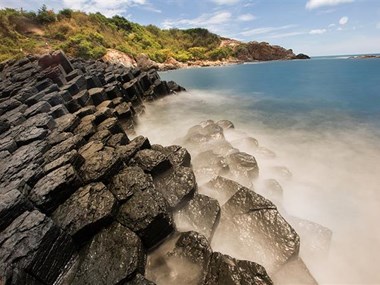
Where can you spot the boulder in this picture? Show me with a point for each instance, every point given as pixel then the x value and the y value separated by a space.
pixel 147 214
pixel 72 157
pixel 114 256
pixel 31 134
pixel 152 161
pixel 177 155
pixel 225 124
pixel 89 209
pixel 73 142
pixel 126 152
pixel 243 167
pixel 67 123
pixel 201 214
pixel 53 189
pixel 129 181
pixel 177 186
pixel 42 249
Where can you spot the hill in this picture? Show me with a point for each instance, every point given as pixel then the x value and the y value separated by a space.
pixel 89 36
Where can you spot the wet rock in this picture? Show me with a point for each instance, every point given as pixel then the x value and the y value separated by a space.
pixel 177 155
pixel 204 132
pixel 258 231
pixel 147 214
pixel 100 165
pixel 114 256
pixel 86 211
pixel 129 181
pixel 294 272
pixel 152 161
pixel 55 188
pixel 177 186
pixel 243 167
pixel 128 151
pixel 273 190
pixel 201 214
pixel 222 188
pixel 224 269
pixel 208 164
pixel 42 249
pixel 67 123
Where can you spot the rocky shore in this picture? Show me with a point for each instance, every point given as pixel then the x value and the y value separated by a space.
pixel 83 200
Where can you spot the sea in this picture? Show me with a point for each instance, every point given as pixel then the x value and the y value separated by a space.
pixel 321 120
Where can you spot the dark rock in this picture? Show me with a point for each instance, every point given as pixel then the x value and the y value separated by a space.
pixel 73 142
pixel 152 161
pixel 67 123
pixel 102 114
pixel 40 107
pixel 112 125
pixel 243 167
pixel 224 269
pixel 31 134
pixel 85 111
pixel 118 139
pixel 114 256
pixel 72 157
pixel 147 214
pixel 86 129
pixel 175 87
pixel 102 136
pixel 301 56
pixel 87 210
pixel 177 186
pixel 56 137
pixel 73 106
pixel 123 111
pixel 42 249
pixel 97 95
pixel 12 204
pixel 9 105
pixel 4 125
pixel 100 165
pixel 225 124
pixel 58 111
pixel 106 104
pixel 177 155
pixel 201 214
pixel 128 151
pixel 75 85
pixel 55 188
pixel 90 148
pixel 40 121
pixel 129 181
pixel 82 98
pixel 139 280
pixel 8 144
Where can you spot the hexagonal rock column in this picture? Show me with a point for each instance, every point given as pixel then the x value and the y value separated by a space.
pixel 42 250
pixel 114 256
pixel 147 214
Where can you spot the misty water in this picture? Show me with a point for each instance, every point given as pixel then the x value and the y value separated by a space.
pixel 321 120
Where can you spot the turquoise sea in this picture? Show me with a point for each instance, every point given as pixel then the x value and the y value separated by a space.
pixel 321 117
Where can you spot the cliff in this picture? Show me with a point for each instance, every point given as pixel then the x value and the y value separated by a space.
pixel 92 36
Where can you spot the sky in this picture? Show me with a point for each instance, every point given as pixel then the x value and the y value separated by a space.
pixel 314 27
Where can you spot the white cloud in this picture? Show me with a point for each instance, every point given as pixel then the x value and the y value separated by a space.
pixel 108 8
pixel 246 17
pixel 225 2
pixel 265 30
pixel 204 20
pixel 317 32
pixel 313 4
pixel 343 20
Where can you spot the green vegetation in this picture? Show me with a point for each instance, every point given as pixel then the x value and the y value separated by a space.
pixel 89 35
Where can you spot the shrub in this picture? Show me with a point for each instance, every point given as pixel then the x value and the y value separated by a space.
pixel 45 16
pixel 65 13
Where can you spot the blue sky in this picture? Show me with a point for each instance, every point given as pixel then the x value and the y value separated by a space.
pixel 315 27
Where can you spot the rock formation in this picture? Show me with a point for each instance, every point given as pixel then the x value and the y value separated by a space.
pixel 82 201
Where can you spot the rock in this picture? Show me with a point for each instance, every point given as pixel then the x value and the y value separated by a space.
pixel 201 214
pixel 123 111
pixel 177 186
pixel 85 129
pixel 301 56
pixel 56 137
pixel 225 124
pixel 112 125
pixel 102 114
pixel 97 95
pixel 117 140
pixel 147 214
pixel 86 211
pixel 8 144
pixel 114 256
pixel 208 164
pixel 224 269
pixel 100 165
pixel 282 172
pixel 152 161
pixel 128 151
pixel 140 280
pixel 175 87
pixel 31 134
pixel 129 181
pixel 73 142
pixel 58 111
pixel 55 188
pixel 243 167
pixel 294 272
pixel 273 190
pixel 9 105
pixel 42 249
pixel 40 107
pixel 257 230
pixel 67 123
pixel 72 157
pixel 12 205
pixel 222 188
pixel 177 155
pixel 102 136
pixel 145 63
